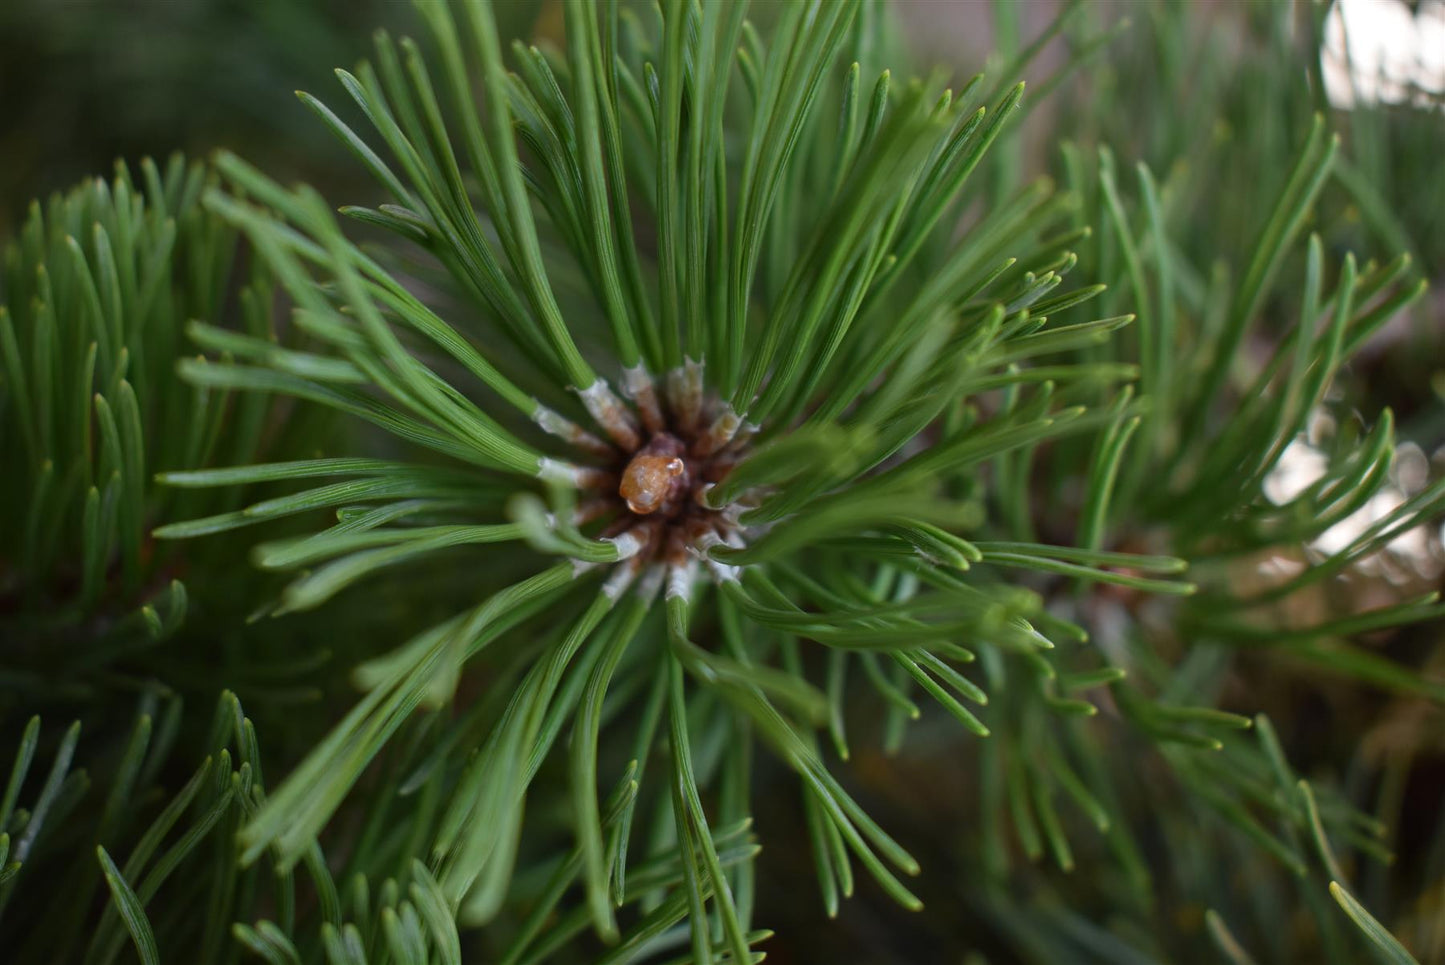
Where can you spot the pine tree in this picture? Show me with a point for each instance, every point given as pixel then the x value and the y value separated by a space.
pixel 694 403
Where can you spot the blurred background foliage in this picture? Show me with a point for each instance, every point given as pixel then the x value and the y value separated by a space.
pixel 82 84
pixel 1215 98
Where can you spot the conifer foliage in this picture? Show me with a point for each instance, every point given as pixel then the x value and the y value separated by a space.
pixel 713 389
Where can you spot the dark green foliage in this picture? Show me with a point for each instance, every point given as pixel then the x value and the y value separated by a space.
pixel 98 288
pixel 174 871
pixel 96 619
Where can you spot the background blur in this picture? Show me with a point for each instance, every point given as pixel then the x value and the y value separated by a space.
pixel 84 82
pixel 1227 84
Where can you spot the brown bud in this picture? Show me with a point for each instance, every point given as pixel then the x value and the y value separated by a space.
pixel 647 482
